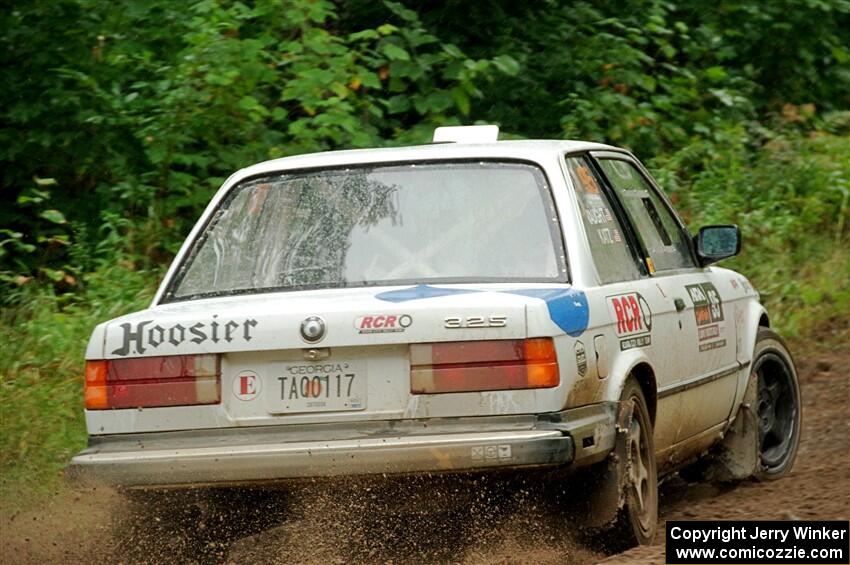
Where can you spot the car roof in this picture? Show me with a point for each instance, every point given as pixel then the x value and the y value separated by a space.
pixel 531 150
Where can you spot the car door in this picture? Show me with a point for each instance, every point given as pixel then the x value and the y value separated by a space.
pixel 703 348
pixel 631 320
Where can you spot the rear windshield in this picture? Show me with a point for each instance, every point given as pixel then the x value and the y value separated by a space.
pixel 381 225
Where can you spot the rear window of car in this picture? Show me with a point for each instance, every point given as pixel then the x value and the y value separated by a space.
pixel 381 225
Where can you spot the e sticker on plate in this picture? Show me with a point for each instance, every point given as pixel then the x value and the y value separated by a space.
pixel 247 385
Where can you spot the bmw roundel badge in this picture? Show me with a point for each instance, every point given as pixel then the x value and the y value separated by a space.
pixel 312 329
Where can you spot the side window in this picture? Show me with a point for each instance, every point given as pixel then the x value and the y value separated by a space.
pixel 614 260
pixel 659 232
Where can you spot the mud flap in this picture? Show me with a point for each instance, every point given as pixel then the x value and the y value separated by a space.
pixel 737 456
pixel 610 492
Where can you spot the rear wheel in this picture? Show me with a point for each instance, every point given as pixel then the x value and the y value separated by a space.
pixel 637 517
pixel 778 406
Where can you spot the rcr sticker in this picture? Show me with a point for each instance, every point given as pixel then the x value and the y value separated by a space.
pixel 632 314
pixel 247 385
pixel 634 319
pixel 383 323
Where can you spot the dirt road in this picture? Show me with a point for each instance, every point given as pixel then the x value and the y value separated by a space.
pixel 486 522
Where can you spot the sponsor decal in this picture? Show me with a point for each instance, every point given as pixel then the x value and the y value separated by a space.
pixel 708 312
pixel 709 332
pixel 712 345
pixel 247 385
pixel 149 334
pixel 383 323
pixel 634 319
pixel 708 307
pixel 632 342
pixel 632 313
pixel 581 359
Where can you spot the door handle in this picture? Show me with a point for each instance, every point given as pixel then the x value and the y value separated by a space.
pixel 680 304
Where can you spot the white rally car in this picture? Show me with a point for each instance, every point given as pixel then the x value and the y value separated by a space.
pixel 463 306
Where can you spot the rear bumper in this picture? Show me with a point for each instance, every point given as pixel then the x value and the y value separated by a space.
pixel 245 455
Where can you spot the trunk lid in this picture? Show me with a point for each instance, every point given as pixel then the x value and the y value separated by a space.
pixel 361 364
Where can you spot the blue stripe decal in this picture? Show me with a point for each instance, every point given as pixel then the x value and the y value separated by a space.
pixel 567 307
pixel 419 292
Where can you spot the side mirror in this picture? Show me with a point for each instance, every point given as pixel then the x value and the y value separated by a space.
pixel 718 242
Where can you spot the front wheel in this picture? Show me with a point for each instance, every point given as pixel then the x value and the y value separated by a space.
pixel 778 406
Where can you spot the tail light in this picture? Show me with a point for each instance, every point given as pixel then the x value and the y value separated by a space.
pixel 465 366
pixel 146 382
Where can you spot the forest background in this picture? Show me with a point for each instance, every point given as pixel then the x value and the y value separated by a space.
pixel 119 120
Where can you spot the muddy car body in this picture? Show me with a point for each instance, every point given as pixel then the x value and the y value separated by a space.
pixel 452 307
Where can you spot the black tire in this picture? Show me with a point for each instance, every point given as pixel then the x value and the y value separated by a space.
pixel 778 406
pixel 637 519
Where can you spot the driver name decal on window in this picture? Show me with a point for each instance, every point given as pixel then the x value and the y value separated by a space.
pixel 611 254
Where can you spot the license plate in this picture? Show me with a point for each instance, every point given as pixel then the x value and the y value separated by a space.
pixel 318 387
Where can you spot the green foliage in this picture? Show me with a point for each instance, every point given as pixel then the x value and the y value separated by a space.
pixel 652 75
pixel 42 340
pixel 151 106
pixel 140 109
pixel 791 197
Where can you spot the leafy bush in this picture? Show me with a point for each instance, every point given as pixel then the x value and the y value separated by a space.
pixel 141 112
pixel 791 197
pixel 651 75
pixel 42 343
